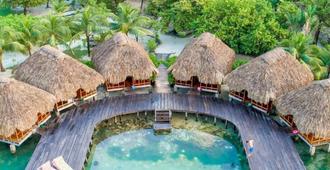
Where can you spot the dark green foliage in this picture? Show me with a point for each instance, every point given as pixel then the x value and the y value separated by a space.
pixel 238 62
pixel 76 53
pixel 89 64
pixel 151 45
pixel 24 3
pixel 247 26
pixel 155 60
pixel 285 11
pixel 171 79
pixel 111 4
pixel 170 61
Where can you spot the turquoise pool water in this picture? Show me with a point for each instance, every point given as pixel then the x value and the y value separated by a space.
pixel 181 149
pixel 19 160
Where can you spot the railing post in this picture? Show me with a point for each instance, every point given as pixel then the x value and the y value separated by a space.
pixel 312 150
pixel 215 121
pixel 328 147
pixel 186 115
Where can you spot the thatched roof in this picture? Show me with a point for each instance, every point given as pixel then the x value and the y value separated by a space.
pixel 269 76
pixel 310 107
pixel 120 57
pixel 206 57
pixel 53 71
pixel 20 104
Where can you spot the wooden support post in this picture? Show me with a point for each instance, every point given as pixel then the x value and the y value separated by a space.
pixel 12 148
pixel 94 98
pixel 312 150
pixel 226 124
pixel 186 115
pixel 115 119
pixel 175 88
pixel 217 95
pixel 120 118
pixel 138 114
pixel 58 114
pixel 196 117
pixel 329 147
pixel 214 121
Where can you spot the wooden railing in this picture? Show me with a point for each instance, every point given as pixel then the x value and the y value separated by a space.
pixel 141 82
pixel 82 94
pixel 244 97
pixel 42 118
pixel 183 83
pixel 310 138
pixel 17 137
pixel 209 86
pixel 111 86
pixel 61 104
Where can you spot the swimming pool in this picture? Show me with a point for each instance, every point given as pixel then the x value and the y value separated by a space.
pixel 181 149
pixel 132 144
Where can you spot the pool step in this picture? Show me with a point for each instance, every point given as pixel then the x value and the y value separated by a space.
pixel 162 121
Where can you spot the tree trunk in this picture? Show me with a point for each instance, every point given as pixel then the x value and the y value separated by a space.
pixel 48 2
pixel 88 45
pixel 317 34
pixel 30 53
pixel 25 10
pixel 141 7
pixel 2 68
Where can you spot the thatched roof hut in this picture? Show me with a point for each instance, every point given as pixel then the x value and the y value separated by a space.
pixel 53 71
pixel 121 57
pixel 310 108
pixel 269 76
pixel 206 57
pixel 20 104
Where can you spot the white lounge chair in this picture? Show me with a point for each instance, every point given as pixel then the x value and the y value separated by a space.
pixel 46 166
pixel 60 164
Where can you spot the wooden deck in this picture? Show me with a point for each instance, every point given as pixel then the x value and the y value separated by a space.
pixel 273 147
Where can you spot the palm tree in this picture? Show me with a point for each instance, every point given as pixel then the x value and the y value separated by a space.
pixel 91 19
pixel 55 30
pixel 8 42
pixel 299 46
pixel 29 34
pixel 128 20
pixel 60 6
pixel 323 54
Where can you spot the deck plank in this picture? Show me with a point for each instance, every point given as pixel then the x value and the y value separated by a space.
pixel 273 147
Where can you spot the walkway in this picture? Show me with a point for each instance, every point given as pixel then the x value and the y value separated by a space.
pixel 273 147
pixel 162 85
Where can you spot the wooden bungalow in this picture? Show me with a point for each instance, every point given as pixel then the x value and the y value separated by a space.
pixel 61 75
pixel 267 77
pixel 124 63
pixel 23 109
pixel 203 64
pixel 307 111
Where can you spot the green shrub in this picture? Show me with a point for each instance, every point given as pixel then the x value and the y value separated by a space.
pixel 170 79
pixel 151 45
pixel 170 61
pixel 155 60
pixel 238 62
pixel 88 63
pixel 248 26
